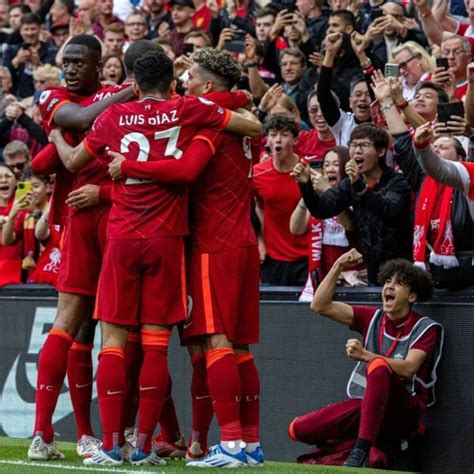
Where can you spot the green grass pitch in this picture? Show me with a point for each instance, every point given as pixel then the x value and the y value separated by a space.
pixel 13 460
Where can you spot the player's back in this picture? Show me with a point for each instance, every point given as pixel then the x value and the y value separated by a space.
pixel 149 130
pixel 221 197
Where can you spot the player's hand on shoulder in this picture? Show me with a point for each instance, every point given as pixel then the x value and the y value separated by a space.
pixel 115 165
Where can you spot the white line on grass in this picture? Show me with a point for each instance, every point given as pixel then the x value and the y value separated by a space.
pixel 74 468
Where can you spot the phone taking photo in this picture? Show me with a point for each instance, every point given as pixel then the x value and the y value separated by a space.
pixel 22 189
pixel 392 70
pixel 447 110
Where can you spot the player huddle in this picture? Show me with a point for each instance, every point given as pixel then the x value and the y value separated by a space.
pixel 165 167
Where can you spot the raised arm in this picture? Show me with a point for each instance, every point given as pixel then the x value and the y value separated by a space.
pixel 323 303
pixel 431 27
pixel 450 173
pixel 328 104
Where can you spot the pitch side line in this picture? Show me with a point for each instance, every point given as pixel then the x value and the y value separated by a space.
pixel 75 468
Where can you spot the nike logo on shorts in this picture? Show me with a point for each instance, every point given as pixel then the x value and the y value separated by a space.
pixel 79 385
pixel 109 392
pixel 142 389
pixel 201 398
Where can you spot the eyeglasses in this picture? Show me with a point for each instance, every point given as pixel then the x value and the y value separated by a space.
pixel 364 146
pixel 454 52
pixel 19 166
pixel 404 64
pixel 136 24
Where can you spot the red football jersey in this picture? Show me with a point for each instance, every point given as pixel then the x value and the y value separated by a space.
pixel 461 91
pixel 150 130
pixel 220 198
pixel 311 147
pixel 279 194
pixel 95 173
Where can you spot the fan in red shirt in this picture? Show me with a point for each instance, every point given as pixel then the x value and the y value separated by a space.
pixel 144 243
pixel 313 144
pixel 223 265
pixel 393 381
pixel 73 108
pixel 10 255
pixel 284 255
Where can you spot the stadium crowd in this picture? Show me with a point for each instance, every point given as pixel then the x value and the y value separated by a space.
pixel 366 108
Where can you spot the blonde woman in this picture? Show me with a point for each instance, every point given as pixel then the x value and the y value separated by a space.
pixel 415 64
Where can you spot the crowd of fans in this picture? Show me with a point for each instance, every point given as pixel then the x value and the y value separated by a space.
pixel 343 88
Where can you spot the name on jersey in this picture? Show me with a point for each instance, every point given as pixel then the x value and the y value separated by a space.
pixel 140 119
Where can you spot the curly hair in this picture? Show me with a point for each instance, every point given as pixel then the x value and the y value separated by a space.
pixel 220 64
pixel 281 123
pixel 154 72
pixel 419 281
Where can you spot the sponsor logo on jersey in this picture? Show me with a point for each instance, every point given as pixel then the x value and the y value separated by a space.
pixel 44 97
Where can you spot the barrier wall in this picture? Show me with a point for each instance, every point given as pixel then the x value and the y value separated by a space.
pixel 302 363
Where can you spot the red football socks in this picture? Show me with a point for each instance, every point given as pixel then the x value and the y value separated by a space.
pixel 250 402
pixel 133 362
pixel 52 366
pixel 376 396
pixel 168 420
pixel 111 391
pixel 153 384
pixel 79 375
pixel 202 404
pixel 223 380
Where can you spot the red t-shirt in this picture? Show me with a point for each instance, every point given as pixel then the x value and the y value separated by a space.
pixel 279 195
pixel 363 316
pixel 150 130
pixel 11 255
pixel 202 18
pixel 220 198
pixel 311 147
pixel 461 91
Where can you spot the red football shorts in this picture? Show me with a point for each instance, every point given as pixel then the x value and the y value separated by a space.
pixel 143 281
pixel 82 251
pixel 224 295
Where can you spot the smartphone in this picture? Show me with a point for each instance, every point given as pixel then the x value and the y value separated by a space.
pixel 376 12
pixel 442 62
pixel 288 5
pixel 392 70
pixel 22 189
pixel 447 110
pixel 188 48
pixel 316 164
pixel 234 46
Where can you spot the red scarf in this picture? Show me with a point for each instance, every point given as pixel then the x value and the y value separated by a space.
pixel 443 249
pixel 315 243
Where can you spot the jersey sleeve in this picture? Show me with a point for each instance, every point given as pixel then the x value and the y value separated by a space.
pixel 50 101
pixel 98 138
pixel 207 113
pixel 186 170
pixel 229 100
pixel 362 317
